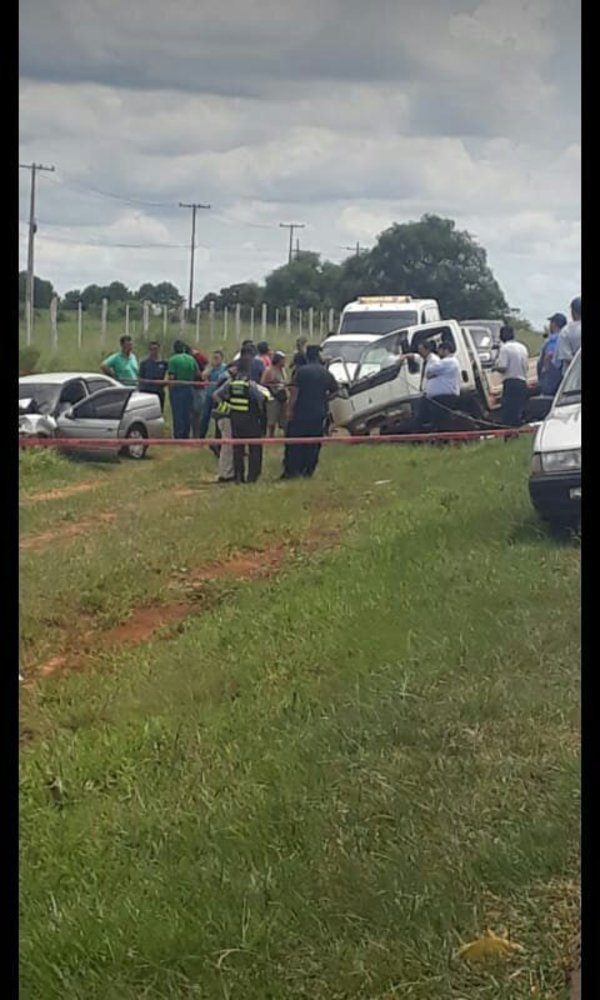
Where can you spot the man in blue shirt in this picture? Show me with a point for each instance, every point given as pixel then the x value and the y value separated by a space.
pixel 312 388
pixel 441 388
pixel 549 374
pixel 154 369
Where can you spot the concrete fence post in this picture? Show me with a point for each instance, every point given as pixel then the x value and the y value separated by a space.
pixel 311 322
pixel 211 321
pixel 331 321
pixel 288 319
pixel 54 322
pixel 103 321
pixel 238 324
pixel 197 325
pixel 263 321
pixel 251 322
pixel 225 322
pixel 79 324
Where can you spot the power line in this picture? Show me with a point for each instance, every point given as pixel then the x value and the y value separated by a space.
pixel 30 286
pixel 194 205
pixel 291 226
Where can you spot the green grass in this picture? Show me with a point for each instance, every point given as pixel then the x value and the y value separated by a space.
pixel 93 350
pixel 323 782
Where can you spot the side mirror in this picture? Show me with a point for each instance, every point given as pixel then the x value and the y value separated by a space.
pixel 68 414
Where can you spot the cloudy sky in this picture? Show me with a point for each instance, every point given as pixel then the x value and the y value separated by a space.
pixel 340 114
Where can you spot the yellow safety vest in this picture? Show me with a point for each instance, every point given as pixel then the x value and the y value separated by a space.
pixel 239 395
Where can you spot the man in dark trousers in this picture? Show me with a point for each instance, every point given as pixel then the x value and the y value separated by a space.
pixel 312 388
pixel 246 401
pixel 513 365
pixel 154 369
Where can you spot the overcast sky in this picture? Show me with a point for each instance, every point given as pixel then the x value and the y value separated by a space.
pixel 341 114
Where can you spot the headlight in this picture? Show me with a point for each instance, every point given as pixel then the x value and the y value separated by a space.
pixel 561 461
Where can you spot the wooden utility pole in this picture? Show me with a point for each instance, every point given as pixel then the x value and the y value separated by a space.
pixel 194 205
pixel 356 249
pixel 291 226
pixel 30 287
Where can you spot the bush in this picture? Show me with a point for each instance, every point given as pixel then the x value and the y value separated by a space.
pixel 28 359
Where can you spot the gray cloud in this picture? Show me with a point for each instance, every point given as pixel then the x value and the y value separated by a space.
pixel 345 115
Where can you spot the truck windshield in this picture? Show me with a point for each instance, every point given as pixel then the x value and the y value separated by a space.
pixel 378 322
pixel 347 350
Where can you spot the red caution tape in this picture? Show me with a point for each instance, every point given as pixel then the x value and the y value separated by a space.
pixel 112 443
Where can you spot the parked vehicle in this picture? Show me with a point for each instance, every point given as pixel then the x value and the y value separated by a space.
pixel 376 315
pixel 555 477
pixel 88 405
pixel 487 348
pixel 342 353
pixel 384 387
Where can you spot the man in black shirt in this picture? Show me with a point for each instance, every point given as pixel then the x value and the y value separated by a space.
pixel 154 369
pixel 312 388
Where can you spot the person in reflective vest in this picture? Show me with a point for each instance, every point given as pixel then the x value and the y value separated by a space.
pixel 246 401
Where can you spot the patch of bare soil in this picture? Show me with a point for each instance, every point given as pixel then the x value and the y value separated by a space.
pixel 60 494
pixel 146 621
pixel 63 532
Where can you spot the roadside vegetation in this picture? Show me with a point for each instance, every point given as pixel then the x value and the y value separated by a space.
pixel 296 739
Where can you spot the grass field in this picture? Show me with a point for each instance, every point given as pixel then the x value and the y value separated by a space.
pixel 296 740
pixel 92 351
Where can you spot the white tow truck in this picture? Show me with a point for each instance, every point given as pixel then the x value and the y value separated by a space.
pixel 368 318
pixel 379 394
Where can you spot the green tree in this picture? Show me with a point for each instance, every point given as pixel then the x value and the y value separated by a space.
pixel 166 294
pixel 71 299
pixel 43 291
pixel 118 292
pixel 246 293
pixel 305 282
pixel 433 259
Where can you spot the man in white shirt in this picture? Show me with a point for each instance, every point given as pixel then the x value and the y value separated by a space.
pixel 569 340
pixel 441 387
pixel 513 365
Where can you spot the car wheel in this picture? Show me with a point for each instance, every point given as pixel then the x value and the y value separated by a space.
pixel 138 450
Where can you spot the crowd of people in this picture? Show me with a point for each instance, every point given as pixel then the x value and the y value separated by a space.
pixel 250 397
pixel 253 396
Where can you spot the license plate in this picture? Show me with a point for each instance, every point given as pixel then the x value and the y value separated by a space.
pixel 575 493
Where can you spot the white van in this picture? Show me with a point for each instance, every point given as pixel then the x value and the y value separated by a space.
pixel 377 315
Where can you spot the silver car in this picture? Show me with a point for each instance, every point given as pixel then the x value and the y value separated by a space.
pixel 88 405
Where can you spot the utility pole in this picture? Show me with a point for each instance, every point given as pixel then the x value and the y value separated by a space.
pixel 194 205
pixel 291 226
pixel 29 292
pixel 356 249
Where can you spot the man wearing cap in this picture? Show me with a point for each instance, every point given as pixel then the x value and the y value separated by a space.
pixel 548 374
pixel 569 340
pixel 246 401
pixel 274 379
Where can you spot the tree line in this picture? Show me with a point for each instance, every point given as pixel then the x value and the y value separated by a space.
pixel 429 258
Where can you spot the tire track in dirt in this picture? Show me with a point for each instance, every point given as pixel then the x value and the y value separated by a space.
pixel 64 532
pixel 60 493
pixel 146 622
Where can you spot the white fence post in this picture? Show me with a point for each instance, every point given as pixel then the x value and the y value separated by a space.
pixel 331 321
pixel 127 319
pixel 197 325
pixel 299 322
pixel 145 317
pixel 276 322
pixel 165 321
pixel 211 321
pixel 182 317
pixel 238 324
pixel 251 322
pixel 288 319
pixel 321 325
pixel 225 322
pixel 53 322
pixel 79 325
pixel 103 320
pixel 311 321
pixel 263 321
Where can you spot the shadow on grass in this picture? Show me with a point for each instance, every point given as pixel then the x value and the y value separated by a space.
pixel 533 530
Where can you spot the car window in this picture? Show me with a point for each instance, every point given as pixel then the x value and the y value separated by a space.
pixel 382 354
pixel 96 384
pixel 72 392
pixel 440 334
pixel 378 322
pixel 44 394
pixel 106 405
pixel 344 349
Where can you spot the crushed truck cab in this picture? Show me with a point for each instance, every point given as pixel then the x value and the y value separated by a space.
pixel 386 383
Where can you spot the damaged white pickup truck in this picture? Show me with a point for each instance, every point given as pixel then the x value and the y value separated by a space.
pixel 388 380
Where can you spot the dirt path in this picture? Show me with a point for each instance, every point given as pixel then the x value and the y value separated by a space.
pixel 62 493
pixel 64 532
pixel 194 597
